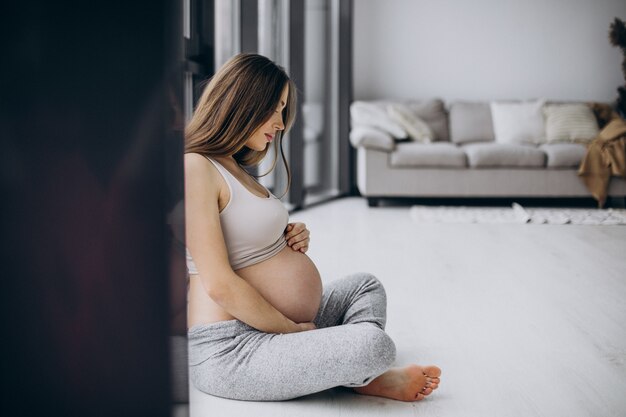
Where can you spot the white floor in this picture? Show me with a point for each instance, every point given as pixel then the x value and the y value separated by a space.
pixel 524 320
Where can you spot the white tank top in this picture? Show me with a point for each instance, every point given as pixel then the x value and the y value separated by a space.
pixel 253 226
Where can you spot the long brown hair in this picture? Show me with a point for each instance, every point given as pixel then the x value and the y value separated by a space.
pixel 239 98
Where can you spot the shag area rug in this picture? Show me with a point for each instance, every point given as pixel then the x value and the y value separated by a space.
pixel 517 214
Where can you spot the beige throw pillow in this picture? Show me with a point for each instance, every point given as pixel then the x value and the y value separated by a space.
pixel 434 113
pixel 416 128
pixel 570 122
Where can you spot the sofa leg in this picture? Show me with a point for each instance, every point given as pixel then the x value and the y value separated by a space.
pixel 372 201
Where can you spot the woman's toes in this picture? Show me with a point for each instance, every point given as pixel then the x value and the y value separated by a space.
pixel 426 391
pixel 432 371
pixel 419 397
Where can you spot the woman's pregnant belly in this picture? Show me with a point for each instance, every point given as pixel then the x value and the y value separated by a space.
pixel 289 281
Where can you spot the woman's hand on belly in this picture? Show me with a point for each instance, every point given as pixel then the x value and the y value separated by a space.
pixel 298 236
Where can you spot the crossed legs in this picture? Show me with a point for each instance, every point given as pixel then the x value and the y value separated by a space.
pixel 349 348
pixel 361 298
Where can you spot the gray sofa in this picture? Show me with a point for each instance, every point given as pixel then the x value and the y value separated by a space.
pixel 465 161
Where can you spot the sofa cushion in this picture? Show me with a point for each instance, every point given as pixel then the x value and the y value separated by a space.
pixel 521 122
pixel 433 112
pixel 428 155
pixel 568 122
pixel 417 129
pixel 503 155
pixel 563 155
pixel 372 114
pixel 470 122
pixel 372 138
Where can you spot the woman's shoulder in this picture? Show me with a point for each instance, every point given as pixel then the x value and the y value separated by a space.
pixel 196 158
pixel 199 168
pixel 198 163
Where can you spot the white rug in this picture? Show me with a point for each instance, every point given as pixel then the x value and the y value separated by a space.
pixel 517 214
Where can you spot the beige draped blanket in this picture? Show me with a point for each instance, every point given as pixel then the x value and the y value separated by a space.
pixel 606 156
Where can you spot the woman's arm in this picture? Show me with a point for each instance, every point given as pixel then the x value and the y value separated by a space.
pixel 205 242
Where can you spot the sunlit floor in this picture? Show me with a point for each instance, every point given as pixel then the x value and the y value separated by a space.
pixel 524 320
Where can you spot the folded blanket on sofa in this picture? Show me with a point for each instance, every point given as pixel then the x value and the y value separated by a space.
pixel 606 156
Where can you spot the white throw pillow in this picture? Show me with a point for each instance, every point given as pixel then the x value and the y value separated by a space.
pixel 373 115
pixel 569 122
pixel 372 138
pixel 417 129
pixel 518 123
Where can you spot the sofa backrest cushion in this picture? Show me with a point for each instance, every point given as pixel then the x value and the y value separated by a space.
pixel 471 122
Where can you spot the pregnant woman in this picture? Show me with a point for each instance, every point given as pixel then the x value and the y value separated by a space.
pixel 261 327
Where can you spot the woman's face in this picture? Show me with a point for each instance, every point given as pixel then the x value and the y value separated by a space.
pixel 266 133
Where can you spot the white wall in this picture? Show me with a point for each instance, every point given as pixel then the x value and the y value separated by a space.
pixel 486 49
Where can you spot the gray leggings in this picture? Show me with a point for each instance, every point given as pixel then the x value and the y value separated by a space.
pixel 349 348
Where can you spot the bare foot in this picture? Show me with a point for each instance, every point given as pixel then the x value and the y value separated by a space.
pixel 411 383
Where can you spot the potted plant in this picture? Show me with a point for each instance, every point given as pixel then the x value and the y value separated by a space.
pixel 617 37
